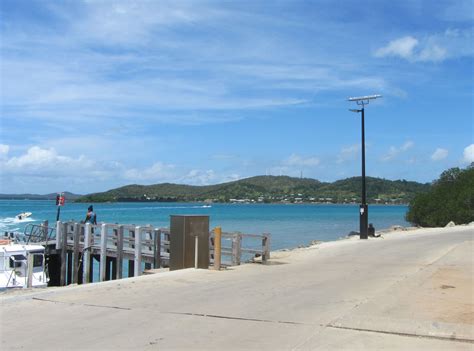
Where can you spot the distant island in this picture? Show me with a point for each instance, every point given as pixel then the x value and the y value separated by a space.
pixel 69 196
pixel 268 189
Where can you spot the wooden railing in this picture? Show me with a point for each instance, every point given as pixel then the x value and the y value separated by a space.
pixel 113 244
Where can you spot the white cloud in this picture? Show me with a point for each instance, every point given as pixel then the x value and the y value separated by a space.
pixel 45 161
pixel 439 154
pixel 158 172
pixel 348 153
pixel 395 151
pixel 4 149
pixel 407 145
pixel 437 47
pixel 402 47
pixel 468 154
pixel 296 160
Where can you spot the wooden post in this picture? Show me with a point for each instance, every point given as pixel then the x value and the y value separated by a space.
pixel 157 248
pixel 265 247
pixel 64 228
pixel 217 247
pixel 138 252
pixel 103 252
pixel 120 253
pixel 236 249
pixel 86 255
pixel 69 267
pixel 58 235
pixel 196 251
pixel 148 237
pixel 75 270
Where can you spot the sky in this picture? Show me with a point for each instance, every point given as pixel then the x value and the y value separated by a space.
pixel 98 94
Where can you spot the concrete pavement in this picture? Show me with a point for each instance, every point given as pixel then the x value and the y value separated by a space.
pixel 408 290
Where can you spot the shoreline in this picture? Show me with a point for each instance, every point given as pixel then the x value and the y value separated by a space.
pixel 394 231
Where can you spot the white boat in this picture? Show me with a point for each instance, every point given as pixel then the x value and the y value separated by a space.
pixel 22 266
pixel 23 215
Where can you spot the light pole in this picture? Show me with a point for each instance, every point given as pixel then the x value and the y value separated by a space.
pixel 363 208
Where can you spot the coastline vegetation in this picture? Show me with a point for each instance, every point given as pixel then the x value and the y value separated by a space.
pixel 268 189
pixel 451 198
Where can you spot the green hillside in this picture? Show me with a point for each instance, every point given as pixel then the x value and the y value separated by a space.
pixel 268 189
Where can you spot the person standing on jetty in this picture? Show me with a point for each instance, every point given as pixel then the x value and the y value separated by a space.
pixel 91 216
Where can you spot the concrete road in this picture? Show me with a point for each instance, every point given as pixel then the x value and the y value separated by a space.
pixel 407 291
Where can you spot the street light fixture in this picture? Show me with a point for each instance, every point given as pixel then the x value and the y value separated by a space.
pixel 363 209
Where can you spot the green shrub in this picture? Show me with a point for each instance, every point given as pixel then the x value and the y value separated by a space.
pixel 451 198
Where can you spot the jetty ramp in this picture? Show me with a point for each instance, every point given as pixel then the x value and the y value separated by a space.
pixel 410 290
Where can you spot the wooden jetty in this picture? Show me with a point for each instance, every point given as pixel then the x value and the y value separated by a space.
pixel 74 250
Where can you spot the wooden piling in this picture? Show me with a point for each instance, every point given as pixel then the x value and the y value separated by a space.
pixel 236 249
pixel 103 253
pixel 58 235
pixel 63 235
pixel 75 263
pixel 138 252
pixel 119 261
pixel 157 248
pixel 266 247
pixel 69 268
pixel 86 254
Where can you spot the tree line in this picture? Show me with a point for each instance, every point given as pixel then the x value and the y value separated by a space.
pixel 451 198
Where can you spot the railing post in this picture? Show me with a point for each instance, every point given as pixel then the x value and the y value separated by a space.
pixel 120 252
pixel 58 235
pixel 75 270
pixel 149 238
pixel 103 252
pixel 157 248
pixel 236 249
pixel 138 252
pixel 86 255
pixel 62 279
pixel 217 247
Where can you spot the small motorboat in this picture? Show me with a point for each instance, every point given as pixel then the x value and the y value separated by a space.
pixel 23 215
pixel 22 266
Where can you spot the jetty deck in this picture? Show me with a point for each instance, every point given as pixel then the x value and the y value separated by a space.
pixel 407 291
pixel 122 250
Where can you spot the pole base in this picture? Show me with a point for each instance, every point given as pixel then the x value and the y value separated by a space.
pixel 364 220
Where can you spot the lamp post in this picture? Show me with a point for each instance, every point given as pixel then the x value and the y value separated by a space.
pixel 363 208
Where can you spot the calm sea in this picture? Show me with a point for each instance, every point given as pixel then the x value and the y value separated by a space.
pixel 289 225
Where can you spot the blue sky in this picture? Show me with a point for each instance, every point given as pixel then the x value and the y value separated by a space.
pixel 100 94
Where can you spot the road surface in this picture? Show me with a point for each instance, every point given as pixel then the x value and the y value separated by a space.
pixel 407 291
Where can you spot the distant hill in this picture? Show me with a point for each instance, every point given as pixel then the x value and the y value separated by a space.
pixel 268 189
pixel 69 196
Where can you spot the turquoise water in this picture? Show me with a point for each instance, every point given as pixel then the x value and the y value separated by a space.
pixel 289 225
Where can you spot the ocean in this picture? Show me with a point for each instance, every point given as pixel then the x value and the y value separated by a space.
pixel 290 225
